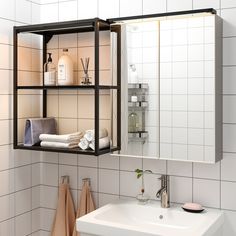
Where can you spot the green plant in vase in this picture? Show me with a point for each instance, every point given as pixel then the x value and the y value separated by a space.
pixel 142 197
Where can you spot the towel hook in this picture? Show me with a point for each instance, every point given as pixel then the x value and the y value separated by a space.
pixel 86 180
pixel 65 179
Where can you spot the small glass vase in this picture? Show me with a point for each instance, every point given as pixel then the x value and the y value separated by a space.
pixel 142 197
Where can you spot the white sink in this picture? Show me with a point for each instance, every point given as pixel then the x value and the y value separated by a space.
pixel 128 218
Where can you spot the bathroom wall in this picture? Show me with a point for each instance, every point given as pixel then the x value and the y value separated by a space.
pixel 29 180
pixel 19 170
pixel 113 177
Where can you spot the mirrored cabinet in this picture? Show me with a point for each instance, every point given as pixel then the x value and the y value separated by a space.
pixel 171 86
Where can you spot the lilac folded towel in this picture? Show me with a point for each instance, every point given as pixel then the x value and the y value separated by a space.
pixel 35 127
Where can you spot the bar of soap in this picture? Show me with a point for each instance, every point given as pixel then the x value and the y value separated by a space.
pixel 192 206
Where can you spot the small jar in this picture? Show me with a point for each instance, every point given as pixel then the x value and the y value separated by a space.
pixel 134 98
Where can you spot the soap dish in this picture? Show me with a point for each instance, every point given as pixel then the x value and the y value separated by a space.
pixel 193 207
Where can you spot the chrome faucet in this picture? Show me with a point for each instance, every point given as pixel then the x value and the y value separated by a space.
pixel 164 191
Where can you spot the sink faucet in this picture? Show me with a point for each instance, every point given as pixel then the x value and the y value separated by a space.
pixel 164 192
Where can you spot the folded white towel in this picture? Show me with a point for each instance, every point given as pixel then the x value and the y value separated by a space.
pixel 89 134
pixel 58 144
pixel 103 143
pixel 83 144
pixel 63 138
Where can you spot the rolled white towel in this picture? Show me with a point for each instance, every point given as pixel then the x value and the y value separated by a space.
pixel 89 134
pixel 58 144
pixel 83 144
pixel 103 143
pixel 63 138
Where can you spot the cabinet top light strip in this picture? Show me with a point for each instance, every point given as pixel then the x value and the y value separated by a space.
pixel 162 16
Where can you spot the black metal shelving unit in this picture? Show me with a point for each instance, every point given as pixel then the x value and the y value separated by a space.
pixel 47 31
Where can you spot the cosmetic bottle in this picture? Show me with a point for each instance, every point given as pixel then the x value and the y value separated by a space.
pixel 49 71
pixel 65 69
pixel 133 122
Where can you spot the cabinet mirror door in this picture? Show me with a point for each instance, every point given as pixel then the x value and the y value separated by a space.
pixel 140 89
pixel 188 89
pixel 171 88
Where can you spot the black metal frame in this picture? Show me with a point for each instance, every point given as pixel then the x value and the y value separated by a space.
pixel 47 31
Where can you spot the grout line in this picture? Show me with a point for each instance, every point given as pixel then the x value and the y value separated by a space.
pixel 17 167
pixel 13 193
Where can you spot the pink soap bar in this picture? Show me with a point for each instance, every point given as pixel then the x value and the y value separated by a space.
pixel 192 206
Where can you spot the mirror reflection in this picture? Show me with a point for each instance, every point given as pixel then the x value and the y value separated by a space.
pixel 170 88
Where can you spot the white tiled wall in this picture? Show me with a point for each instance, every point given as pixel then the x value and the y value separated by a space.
pixel 186 95
pixel 211 185
pixel 18 199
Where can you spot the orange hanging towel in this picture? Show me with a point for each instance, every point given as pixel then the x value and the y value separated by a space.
pixel 64 220
pixel 86 203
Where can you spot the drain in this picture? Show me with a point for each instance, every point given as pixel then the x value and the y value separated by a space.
pixel 161 217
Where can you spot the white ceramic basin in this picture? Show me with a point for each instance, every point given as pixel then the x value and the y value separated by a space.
pixel 128 218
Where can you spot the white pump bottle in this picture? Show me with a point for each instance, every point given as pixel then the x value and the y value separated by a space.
pixel 65 69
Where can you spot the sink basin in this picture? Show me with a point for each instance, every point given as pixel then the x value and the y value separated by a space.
pixel 129 218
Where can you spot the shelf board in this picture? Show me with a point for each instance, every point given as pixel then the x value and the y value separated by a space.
pixel 66 150
pixel 67 87
pixel 139 135
pixel 138 86
pixel 142 104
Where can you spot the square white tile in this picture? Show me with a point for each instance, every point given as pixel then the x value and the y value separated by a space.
pixel 179 102
pixel 109 181
pixel 198 4
pixel 130 163
pixel 179 168
pixel 229 23
pixel 180 53
pixel 49 174
pixel 202 195
pixel 229 114
pixel 179 119
pixel 179 86
pixel 45 200
pixel 22 177
pixel 195 136
pixel 195 103
pixel 207 171
pixel 180 151
pixel 183 183
pixel 195 119
pixel 179 135
pixel 22 201
pixel 172 5
pixel 65 7
pixel 229 51
pixel 131 8
pixel 195 153
pixel 129 184
pixel 227 167
pixel 154 6
pixel 108 9
pixel 49 13
pixel 228 194
pixel 23 224
pixel 179 36
pixel 229 83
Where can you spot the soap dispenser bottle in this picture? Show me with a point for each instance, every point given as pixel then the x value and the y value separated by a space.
pixel 65 69
pixel 49 71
